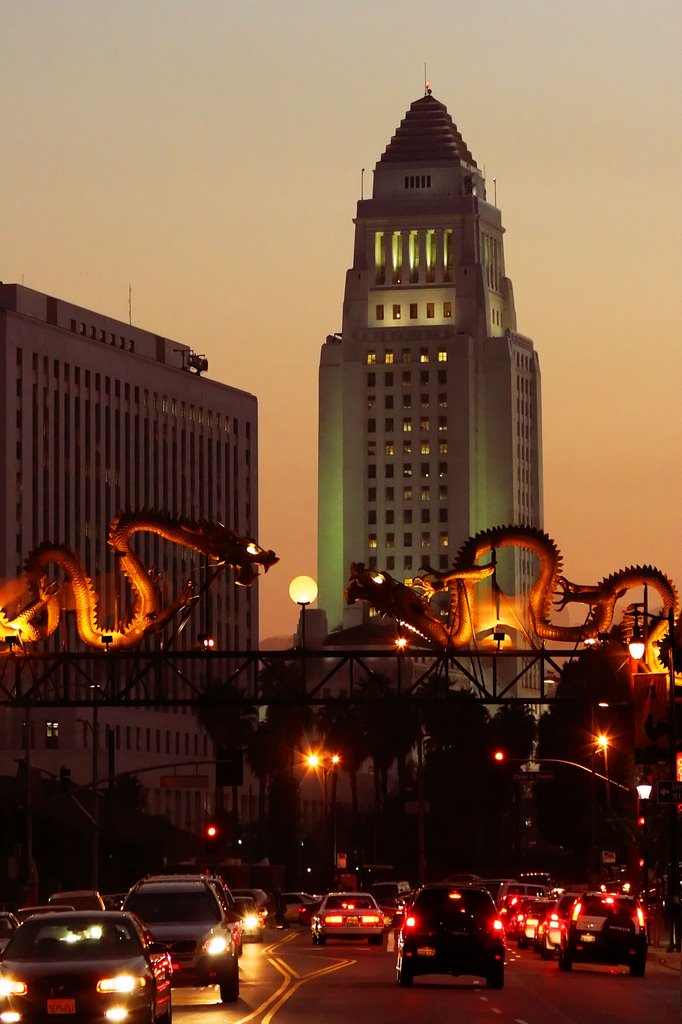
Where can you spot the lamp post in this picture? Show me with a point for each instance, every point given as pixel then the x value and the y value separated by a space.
pixel 637 650
pixel 303 591
pixel 326 763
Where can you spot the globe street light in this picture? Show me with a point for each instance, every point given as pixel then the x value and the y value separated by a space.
pixel 303 591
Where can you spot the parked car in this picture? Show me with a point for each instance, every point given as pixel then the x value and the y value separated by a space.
pixel 451 930
pixel 8 925
pixel 253 922
pixel 348 915
pixel 294 901
pixel 85 965
pixel 605 928
pixel 187 914
pixel 79 899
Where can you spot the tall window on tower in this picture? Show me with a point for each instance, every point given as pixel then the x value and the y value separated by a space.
pixel 380 257
pixel 414 257
pixel 430 255
pixel 397 255
pixel 448 246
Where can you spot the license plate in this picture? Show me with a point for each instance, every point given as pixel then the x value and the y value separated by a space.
pixel 352 921
pixel 426 951
pixel 588 937
pixel 61 1006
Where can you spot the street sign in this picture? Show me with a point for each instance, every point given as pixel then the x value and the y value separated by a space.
pixel 541 776
pixel 669 792
pixel 184 782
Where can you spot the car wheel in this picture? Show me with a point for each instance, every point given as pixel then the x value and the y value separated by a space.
pixel 565 960
pixel 229 988
pixel 495 977
pixel 638 966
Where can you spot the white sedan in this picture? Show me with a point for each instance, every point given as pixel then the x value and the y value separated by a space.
pixel 348 915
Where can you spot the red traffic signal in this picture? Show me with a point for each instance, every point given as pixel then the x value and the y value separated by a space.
pixel 499 755
pixel 211 830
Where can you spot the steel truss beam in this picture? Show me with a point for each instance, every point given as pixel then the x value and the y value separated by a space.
pixel 260 678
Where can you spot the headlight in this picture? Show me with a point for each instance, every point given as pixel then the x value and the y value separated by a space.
pixel 251 921
pixel 215 945
pixel 12 987
pixel 121 983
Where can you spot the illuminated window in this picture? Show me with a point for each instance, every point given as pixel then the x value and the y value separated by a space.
pixel 371 448
pixel 380 311
pixel 430 255
pixel 423 355
pixel 407 494
pixel 447 311
pixel 425 469
pixel 396 311
pixel 430 310
pixel 442 423
pixel 380 257
pixel 407 447
pixel 426 494
pixel 442 447
pixel 425 448
pixel 414 313
pixel 371 358
pixel 426 539
pixel 442 355
pixel 390 448
pixel 414 257
pixel 397 257
pixel 424 423
pixel 388 355
pixel 407 469
pixel 407 425
pixel 447 254
pixel 372 541
pixel 51 735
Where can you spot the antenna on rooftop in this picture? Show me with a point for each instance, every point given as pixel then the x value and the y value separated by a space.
pixel 427 84
pixel 130 304
pixel 362 184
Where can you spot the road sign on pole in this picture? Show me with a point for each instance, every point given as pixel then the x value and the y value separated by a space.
pixel 545 775
pixel 669 792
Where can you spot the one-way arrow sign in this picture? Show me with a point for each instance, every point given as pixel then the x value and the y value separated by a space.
pixel 669 792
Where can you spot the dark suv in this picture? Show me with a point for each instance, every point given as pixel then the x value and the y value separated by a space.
pixel 605 928
pixel 187 915
pixel 450 929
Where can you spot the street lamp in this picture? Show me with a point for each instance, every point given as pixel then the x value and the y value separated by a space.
pixel 637 650
pixel 303 591
pixel 326 763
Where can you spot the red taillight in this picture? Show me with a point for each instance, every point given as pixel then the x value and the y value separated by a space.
pixel 333 919
pixel 640 917
pixel 370 919
pixel 410 922
pixel 497 925
pixel 576 911
pixel 554 918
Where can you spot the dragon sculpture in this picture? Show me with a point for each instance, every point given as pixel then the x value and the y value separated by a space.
pixel 40 618
pixel 411 606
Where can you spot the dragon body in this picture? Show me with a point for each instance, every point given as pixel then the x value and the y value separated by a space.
pixel 411 605
pixel 40 618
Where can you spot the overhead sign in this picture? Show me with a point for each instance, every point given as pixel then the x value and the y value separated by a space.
pixel 543 776
pixel 184 782
pixel 669 792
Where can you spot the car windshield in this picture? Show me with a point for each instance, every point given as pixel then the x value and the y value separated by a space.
pixel 444 903
pixel 606 906
pixel 349 903
pixel 245 904
pixel 158 907
pixel 75 939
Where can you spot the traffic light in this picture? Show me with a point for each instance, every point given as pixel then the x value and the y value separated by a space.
pixel 64 779
pixel 211 831
pixel 499 755
pixel 641 821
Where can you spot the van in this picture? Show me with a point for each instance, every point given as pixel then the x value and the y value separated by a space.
pixel 513 887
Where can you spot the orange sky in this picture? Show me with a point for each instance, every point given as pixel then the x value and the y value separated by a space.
pixel 210 155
